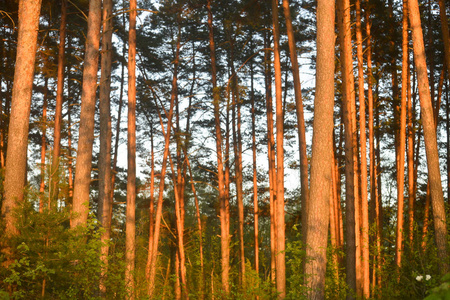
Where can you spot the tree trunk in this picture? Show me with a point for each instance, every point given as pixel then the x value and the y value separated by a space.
pixel 152 205
pixel 43 147
pixel 104 160
pixel 155 243
pixel 86 131
pixel 271 155
pixel 300 116
pixel 279 203
pixel 402 137
pixel 437 197
pixel 69 148
pixel 447 121
pixel 365 280
pixel 178 182
pixel 410 158
pixel 130 244
pixel 254 170
pixel 119 117
pixel 322 145
pixel 16 159
pixel 224 219
pixel 54 189
pixel 352 208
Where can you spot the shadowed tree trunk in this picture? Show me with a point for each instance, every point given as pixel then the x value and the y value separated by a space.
pixel 104 160
pixel 54 188
pixel 353 261
pixel 43 147
pixel 271 154
pixel 254 170
pixel 86 131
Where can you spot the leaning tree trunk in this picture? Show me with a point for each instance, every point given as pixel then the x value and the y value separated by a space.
pixel 87 123
pixel 322 145
pixel 300 116
pixel 429 131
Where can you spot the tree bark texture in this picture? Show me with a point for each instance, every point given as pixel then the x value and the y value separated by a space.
pixel 86 132
pixel 130 240
pixel 437 197
pixel 104 160
pixel 280 262
pixel 351 180
pixel 16 154
pixel 322 145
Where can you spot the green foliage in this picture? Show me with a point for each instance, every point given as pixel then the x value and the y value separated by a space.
pixel 335 285
pixel 441 292
pixel 295 253
pixel 52 261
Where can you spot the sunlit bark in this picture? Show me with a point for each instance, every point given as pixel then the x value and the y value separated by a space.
pixel 365 280
pixel 321 177
pixel 130 239
pixel 402 139
pixel 16 159
pixel 224 219
pixel 279 202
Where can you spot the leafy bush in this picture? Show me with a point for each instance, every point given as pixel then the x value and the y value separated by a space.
pixel 52 261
